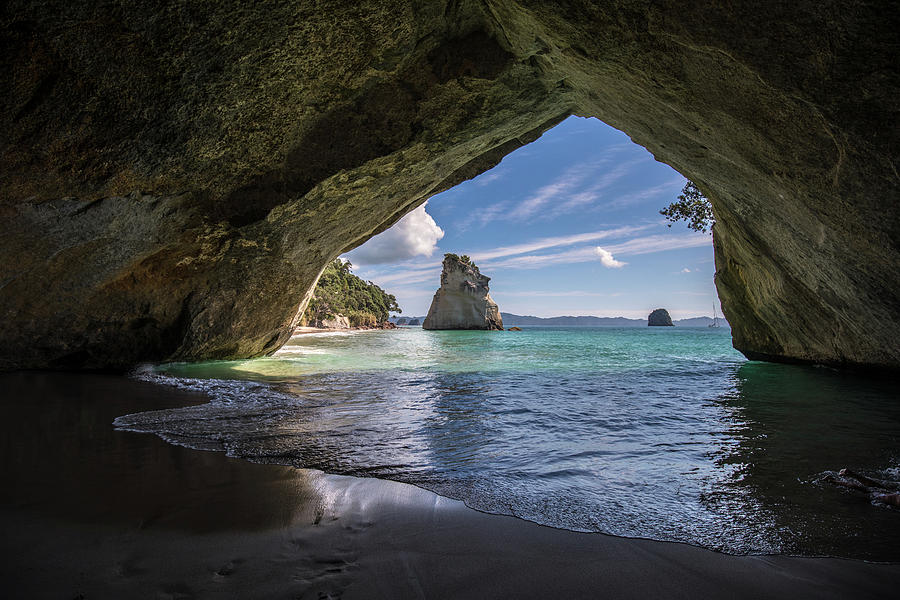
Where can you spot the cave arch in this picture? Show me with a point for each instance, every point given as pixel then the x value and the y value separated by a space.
pixel 176 177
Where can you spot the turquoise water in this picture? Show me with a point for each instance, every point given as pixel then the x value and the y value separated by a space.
pixel 660 433
pixel 571 350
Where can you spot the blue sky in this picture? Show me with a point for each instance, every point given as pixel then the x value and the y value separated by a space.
pixel 568 225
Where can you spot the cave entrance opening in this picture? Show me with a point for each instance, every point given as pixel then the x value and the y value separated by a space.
pixel 566 225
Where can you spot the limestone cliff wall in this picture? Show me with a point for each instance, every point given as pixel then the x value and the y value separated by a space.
pixel 175 175
pixel 463 301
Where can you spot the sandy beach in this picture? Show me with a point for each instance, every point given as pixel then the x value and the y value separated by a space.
pixel 89 512
pixel 305 330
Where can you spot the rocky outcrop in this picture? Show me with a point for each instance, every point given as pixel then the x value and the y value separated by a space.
pixel 414 322
pixel 337 322
pixel 660 318
pixel 462 301
pixel 176 175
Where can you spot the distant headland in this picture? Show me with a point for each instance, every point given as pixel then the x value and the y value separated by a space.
pixel 511 320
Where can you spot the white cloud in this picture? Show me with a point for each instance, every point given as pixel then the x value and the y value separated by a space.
pixel 416 234
pixel 607 260
pixel 685 270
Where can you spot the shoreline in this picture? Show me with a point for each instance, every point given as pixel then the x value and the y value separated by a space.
pixel 102 513
pixel 307 330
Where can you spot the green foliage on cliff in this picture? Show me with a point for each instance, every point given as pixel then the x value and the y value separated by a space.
pixel 692 206
pixel 340 292
pixel 463 259
pixel 361 318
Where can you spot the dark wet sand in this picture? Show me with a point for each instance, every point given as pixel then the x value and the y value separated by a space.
pixel 88 512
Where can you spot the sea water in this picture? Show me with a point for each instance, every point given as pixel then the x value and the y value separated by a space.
pixel 662 433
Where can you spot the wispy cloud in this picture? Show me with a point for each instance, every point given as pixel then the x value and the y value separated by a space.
pixel 556 241
pixel 660 243
pixel 413 292
pixel 579 185
pixel 567 184
pixel 417 275
pixel 537 261
pixel 667 188
pixel 635 246
pixel 491 213
pixel 519 256
pixel 423 271
pixel 594 191
pixel 561 294
pixel 490 177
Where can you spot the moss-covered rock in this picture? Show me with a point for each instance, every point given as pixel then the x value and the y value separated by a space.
pixel 176 175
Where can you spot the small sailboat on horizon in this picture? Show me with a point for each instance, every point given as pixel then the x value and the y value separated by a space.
pixel 715 322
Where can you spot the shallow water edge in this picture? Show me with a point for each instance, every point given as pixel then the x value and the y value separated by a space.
pixel 99 512
pixel 645 434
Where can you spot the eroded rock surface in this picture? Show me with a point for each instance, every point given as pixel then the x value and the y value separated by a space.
pixel 463 301
pixel 338 322
pixel 175 175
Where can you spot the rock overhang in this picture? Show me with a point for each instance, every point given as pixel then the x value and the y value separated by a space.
pixel 271 138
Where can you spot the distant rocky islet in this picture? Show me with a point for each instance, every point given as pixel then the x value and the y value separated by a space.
pixel 660 318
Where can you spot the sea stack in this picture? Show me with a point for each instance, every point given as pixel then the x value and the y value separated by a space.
pixel 462 301
pixel 660 318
